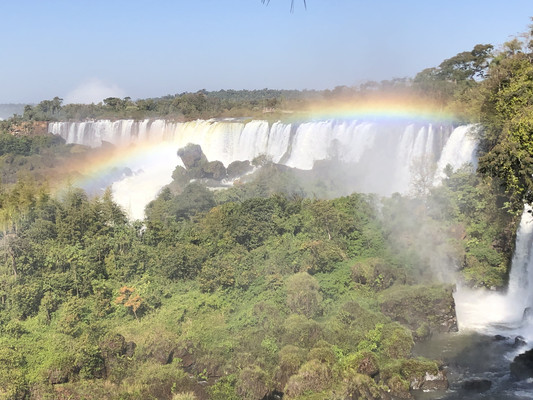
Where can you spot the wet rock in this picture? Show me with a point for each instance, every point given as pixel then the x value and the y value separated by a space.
pixel 214 170
pixel 499 338
pixel 519 341
pixel 431 382
pixel 238 168
pixel 522 366
pixel 192 155
pixel 477 385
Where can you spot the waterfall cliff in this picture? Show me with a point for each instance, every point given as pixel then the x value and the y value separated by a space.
pixel 382 152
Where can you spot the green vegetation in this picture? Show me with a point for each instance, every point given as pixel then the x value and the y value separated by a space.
pixel 254 297
pixel 261 289
pixel 269 293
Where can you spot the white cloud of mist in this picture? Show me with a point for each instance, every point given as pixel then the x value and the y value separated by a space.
pixel 93 91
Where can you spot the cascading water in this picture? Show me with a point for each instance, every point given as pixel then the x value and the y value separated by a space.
pixel 504 313
pixel 494 328
pixel 381 153
pixel 461 146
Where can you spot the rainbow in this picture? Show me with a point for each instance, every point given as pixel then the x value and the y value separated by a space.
pixel 89 168
pixel 383 108
pixel 94 169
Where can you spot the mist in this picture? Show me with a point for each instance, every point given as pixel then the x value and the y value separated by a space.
pixel 94 91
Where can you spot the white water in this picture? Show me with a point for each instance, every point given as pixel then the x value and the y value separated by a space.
pixel 503 313
pixel 379 155
pixel 461 145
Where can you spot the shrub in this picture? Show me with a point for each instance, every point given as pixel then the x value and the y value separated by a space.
pixel 301 331
pixel 397 341
pixel 302 294
pixel 253 383
pixel 375 273
pixel 313 376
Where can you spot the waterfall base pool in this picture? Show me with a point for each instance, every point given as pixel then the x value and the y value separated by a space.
pixel 471 361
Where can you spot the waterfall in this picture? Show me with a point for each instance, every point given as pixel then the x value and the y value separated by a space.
pixel 461 146
pixel 521 277
pixel 504 313
pixel 379 155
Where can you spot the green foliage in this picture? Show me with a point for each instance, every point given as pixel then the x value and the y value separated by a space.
pixel 157 381
pixel 313 376
pixel 301 332
pixel 505 111
pixel 13 384
pixel 375 273
pixel 253 383
pixel 397 341
pixel 224 389
pixel 302 294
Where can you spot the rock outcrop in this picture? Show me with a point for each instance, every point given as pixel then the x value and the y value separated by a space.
pixel 477 385
pixel 423 309
pixel 522 366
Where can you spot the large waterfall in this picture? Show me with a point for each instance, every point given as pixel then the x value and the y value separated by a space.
pixel 381 155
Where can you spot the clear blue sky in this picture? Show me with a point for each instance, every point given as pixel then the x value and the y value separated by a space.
pixel 79 49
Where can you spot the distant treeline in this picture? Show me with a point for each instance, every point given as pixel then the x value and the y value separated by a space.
pixel 205 104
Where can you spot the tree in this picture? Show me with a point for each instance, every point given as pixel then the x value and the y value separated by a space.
pixel 129 299
pixel 422 174
pixel 507 117
pixel 456 74
pixel 114 103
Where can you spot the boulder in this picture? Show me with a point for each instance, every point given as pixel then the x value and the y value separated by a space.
pixel 214 170
pixel 114 350
pixel 477 385
pixel 519 341
pixel 522 366
pixel 238 168
pixel 431 382
pixel 420 307
pixel 499 338
pixel 57 376
pixel 192 156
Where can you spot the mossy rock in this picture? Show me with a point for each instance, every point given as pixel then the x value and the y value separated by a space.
pixel 253 383
pixel 192 156
pixel 419 307
pixel 399 387
pixel 359 386
pixel 238 168
pixel 214 170
pixel 363 362
pixel 313 376
pixel 291 359
pixel 397 341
